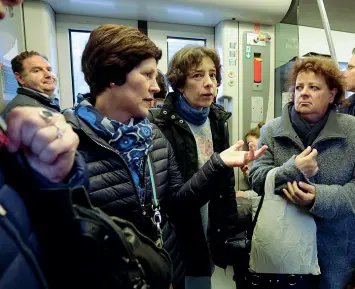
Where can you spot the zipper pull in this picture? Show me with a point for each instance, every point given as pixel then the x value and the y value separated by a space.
pixel 144 212
pixel 157 221
pixel 2 211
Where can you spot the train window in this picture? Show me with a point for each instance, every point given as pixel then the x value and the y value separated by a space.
pixel 77 40
pixel 176 43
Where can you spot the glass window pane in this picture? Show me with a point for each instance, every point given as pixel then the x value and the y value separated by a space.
pixel 78 40
pixel 176 43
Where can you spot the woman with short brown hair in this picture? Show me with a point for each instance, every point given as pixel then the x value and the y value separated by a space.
pixel 196 128
pixel 130 162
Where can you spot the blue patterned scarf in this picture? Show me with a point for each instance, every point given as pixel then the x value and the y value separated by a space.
pixel 133 141
pixel 189 113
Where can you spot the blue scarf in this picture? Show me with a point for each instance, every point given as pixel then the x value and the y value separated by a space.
pixel 189 113
pixel 133 141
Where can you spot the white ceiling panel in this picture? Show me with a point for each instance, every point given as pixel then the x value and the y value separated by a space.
pixel 193 12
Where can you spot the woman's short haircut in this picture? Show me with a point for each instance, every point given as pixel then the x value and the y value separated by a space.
pixel 189 58
pixel 113 51
pixel 322 66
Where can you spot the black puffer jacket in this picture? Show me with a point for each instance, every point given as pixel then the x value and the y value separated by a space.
pixel 113 190
pixel 223 214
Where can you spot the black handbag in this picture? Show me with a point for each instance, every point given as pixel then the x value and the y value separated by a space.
pixel 80 245
pixel 86 248
pixel 237 248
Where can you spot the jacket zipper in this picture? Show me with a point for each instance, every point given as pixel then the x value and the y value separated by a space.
pixel 224 126
pixel 125 164
pixel 29 257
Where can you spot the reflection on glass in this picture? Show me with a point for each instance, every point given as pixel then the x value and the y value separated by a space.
pixel 78 40
pixel 176 43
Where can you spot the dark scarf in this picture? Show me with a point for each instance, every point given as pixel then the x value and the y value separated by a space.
pixel 306 132
pixel 133 141
pixel 189 113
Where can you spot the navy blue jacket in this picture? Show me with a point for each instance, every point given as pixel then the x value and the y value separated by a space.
pixel 21 258
pixel 19 253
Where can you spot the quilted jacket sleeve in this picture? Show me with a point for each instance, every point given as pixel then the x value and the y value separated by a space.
pixel 78 176
pixel 17 168
pixel 198 190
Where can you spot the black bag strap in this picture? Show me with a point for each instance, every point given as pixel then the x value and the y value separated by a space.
pixel 250 232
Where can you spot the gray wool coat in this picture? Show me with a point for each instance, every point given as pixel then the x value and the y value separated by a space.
pixel 334 206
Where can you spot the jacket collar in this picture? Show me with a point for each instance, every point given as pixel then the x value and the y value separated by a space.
pixel 40 97
pixel 80 125
pixel 330 130
pixel 216 111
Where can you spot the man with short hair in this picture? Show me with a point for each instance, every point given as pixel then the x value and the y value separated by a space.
pixel 349 75
pixel 37 82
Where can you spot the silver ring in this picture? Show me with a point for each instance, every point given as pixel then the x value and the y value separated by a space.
pixel 60 133
pixel 46 115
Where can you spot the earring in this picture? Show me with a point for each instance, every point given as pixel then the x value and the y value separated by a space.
pixel 112 84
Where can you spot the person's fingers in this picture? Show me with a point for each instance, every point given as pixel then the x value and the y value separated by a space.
pixel 298 194
pixel 68 142
pixel 306 187
pixel 245 168
pixel 292 189
pixel 288 195
pixel 259 152
pixel 24 122
pixel 303 197
pixel 15 120
pixel 56 171
pixel 247 158
pixel 239 144
pixel 314 153
pixel 306 152
pixel 42 138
